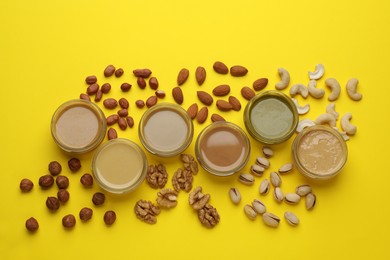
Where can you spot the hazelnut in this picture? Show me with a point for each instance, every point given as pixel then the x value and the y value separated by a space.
pixel 69 221
pixel 46 181
pixel 32 224
pixel 109 217
pixel 62 182
pixel 52 203
pixel 74 164
pixel 63 195
pixel 26 185
pixel 55 168
pixel 98 198
pixel 87 180
pixel 85 214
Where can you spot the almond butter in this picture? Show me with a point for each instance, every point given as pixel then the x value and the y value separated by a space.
pixel 220 67
pixel 142 73
pixel 224 105
pixel 200 75
pixel 236 105
pixel 216 117
pixel 205 97
pixel 238 71
pixel 192 111
pixel 221 90
pixel 260 84
pixel 247 93
pixel 177 94
pixel 151 101
pixel 202 115
pixel 183 76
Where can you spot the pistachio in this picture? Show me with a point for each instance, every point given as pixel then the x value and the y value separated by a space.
pixel 291 218
pixel 235 195
pixel 267 151
pixel 257 170
pixel 264 187
pixel 311 200
pixel 278 194
pixel 259 206
pixel 246 178
pixel 270 219
pixel 292 198
pixel 275 179
pixel 262 161
pixel 286 168
pixel 250 212
pixel 303 190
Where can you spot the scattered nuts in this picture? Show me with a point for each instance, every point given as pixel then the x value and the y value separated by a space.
pixel 216 117
pixel 189 163
pixel 125 87
pixel 318 73
pixel 346 124
pixel 246 178
pixel 313 91
pixel 270 219
pixel 111 134
pixel 140 103
pixel 326 119
pixel 275 179
pixel 86 180
pixel 32 224
pixel 302 124
pixel 156 176
pixel 223 105
pixel 110 103
pixel 200 75
pixel 299 89
pixel 98 198
pixel 292 198
pixel 55 168
pixel 85 214
pixel 267 151
pixel 109 71
pixel 291 218
pixel 264 187
pixel 284 79
pixel 303 190
pixel 141 82
pixel 351 89
pixel 151 101
pixel 334 85
pixel 286 168
pixel 259 206
pixel 330 109
pixel 262 161
pixel 250 212
pixel 26 185
pixel 247 93
pixel 119 72
pixel 92 89
pixel 192 111
pixel 91 79
pixel 177 94
pixel 69 221
pixel 106 87
pixel 63 195
pixel 208 216
pixel 220 68
pixel 46 181
pixel 62 182
pixel 257 170
pixel 197 199
pixel 278 194
pixel 260 84
pixel 238 71
pixel 236 105
pixel 301 109
pixel 143 73
pixel 153 83
pixel 205 97
pixel 235 195
pixel 52 203
pixel 167 198
pixel 130 121
pixel 202 115
pixel 182 76
pixel 112 119
pixel 221 90
pixel 109 217
pixel 123 103
pixel 122 123
pixel 182 180
pixel 311 200
pixel 146 211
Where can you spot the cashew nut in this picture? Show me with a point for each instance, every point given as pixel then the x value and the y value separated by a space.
pixel 346 124
pixel 313 91
pixel 285 79
pixel 334 85
pixel 299 89
pixel 343 134
pixel 326 119
pixel 330 109
pixel 301 109
pixel 351 89
pixel 318 73
pixel 302 124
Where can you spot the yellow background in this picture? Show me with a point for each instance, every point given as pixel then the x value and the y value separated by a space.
pixel 47 48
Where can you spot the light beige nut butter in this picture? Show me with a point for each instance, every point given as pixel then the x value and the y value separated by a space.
pixel 166 130
pixel 319 152
pixel 222 148
pixel 78 126
pixel 271 117
pixel 119 165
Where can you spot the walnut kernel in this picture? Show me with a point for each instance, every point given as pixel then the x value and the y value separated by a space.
pixel 146 211
pixel 182 180
pixel 157 176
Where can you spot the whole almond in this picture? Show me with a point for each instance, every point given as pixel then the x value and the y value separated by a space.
pixel 122 123
pixel 125 87
pixel 247 93
pixel 110 103
pixel 236 105
pixel 183 76
pixel 221 90
pixel 142 73
pixel 200 75
pixel 151 101
pixel 160 93
pixel 112 119
pixel 140 103
pixel 216 117
pixel 106 87
pixel 92 89
pixel 153 83
pixel 202 115
pixel 177 94
pixel 130 121
pixel 141 82
pixel 192 111
pixel 123 112
pixel 224 105
pixel 238 71
pixel 109 71
pixel 220 67
pixel 205 97
pixel 260 84
pixel 123 103
pixel 112 134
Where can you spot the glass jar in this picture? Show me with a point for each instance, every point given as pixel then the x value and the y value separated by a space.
pixel 78 126
pixel 271 117
pixel 319 152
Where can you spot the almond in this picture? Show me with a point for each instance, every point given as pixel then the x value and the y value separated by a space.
pixel 236 105
pixel 205 98
pixel 142 73
pixel 200 75
pixel 221 90
pixel 238 71
pixel 216 117
pixel 202 115
pixel 141 82
pixel 177 94
pixel 192 111
pixel 183 76
pixel 153 83
pixel 220 68
pixel 130 121
pixel 224 105
pixel 247 93
pixel 260 84
pixel 140 103
pixel 151 101
pixel 160 93
pixel 110 103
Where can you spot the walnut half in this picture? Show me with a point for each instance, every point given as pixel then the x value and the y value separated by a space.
pixel 146 211
pixel 182 180
pixel 157 176
pixel 208 216
pixel 197 199
pixel 167 198
pixel 189 163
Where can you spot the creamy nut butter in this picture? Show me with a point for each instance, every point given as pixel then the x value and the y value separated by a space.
pixel 78 126
pixel 319 152
pixel 119 165
pixel 166 130
pixel 271 117
pixel 222 148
